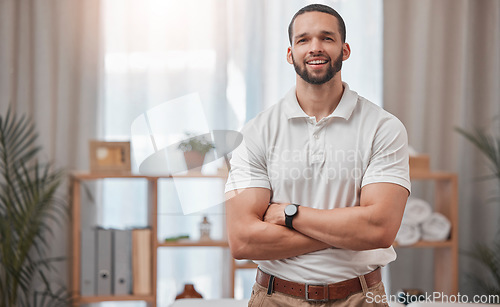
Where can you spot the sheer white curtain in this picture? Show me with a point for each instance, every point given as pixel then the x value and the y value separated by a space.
pixel 48 71
pixel 155 51
pixel 441 71
pixel 233 54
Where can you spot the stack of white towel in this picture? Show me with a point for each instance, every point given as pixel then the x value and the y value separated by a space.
pixel 420 223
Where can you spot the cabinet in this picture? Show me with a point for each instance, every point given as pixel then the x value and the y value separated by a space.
pixel 445 252
pixel 76 180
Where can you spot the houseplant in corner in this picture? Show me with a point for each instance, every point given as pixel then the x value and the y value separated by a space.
pixel 195 148
pixel 488 255
pixel 28 204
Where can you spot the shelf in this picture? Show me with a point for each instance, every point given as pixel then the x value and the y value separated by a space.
pixel 77 179
pixel 445 253
pixel 422 175
pixel 189 243
pixel 194 174
pixel 425 244
pixel 248 265
pixel 112 298
pixel 93 176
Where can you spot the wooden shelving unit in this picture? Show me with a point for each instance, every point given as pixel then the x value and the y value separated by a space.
pixel 211 243
pixel 445 253
pixel 427 244
pixel 152 202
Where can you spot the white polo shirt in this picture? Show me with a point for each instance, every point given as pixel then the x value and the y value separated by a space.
pixel 322 165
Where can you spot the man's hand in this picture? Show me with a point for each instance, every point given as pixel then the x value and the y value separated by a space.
pixel 372 224
pixel 250 237
pixel 275 213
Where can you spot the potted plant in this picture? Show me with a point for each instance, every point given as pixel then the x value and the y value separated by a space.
pixel 28 203
pixel 195 148
pixel 488 255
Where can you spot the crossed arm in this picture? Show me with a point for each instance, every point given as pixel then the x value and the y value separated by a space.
pixel 256 229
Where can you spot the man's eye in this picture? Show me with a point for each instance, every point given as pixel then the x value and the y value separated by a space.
pixel 328 38
pixel 301 40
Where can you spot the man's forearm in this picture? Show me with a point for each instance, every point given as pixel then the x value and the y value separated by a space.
pixel 250 237
pixel 265 241
pixel 346 228
pixel 349 228
pixel 371 225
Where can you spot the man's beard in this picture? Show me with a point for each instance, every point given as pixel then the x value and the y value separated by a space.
pixel 331 71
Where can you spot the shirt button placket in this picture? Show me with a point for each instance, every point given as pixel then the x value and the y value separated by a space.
pixel 316 154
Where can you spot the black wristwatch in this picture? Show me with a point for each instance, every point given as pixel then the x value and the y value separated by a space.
pixel 290 212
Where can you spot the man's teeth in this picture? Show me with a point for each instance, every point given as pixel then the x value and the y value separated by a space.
pixel 317 62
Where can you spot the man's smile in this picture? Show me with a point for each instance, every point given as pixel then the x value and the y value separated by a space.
pixel 317 62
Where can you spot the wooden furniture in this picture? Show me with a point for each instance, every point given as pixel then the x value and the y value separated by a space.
pixel 446 252
pixel 445 256
pixel 152 205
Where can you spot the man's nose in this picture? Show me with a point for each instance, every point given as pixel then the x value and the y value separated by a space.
pixel 316 46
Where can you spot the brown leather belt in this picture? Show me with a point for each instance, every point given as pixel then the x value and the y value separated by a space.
pixel 317 292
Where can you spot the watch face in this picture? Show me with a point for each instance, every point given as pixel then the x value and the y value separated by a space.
pixel 290 210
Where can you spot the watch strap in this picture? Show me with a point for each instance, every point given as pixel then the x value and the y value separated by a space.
pixel 289 218
pixel 288 221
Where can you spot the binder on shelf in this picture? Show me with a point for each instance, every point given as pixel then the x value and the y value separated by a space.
pixel 104 257
pixel 122 262
pixel 141 261
pixel 88 263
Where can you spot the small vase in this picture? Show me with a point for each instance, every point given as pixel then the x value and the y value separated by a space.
pixel 189 292
pixel 194 159
pixel 205 227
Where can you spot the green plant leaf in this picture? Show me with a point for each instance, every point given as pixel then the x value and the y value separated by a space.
pixel 28 206
pixel 487 255
pixel 487 144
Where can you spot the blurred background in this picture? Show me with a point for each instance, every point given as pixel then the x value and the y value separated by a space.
pixel 86 69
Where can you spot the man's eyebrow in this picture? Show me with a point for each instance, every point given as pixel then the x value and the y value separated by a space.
pixel 328 33
pixel 324 32
pixel 301 35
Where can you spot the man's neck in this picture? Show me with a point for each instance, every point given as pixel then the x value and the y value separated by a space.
pixel 319 100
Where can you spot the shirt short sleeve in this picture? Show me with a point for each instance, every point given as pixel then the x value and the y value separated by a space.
pixel 389 161
pixel 248 162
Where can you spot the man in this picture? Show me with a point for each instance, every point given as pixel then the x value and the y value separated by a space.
pixel 318 187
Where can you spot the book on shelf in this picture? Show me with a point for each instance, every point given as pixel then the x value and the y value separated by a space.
pixel 141 261
pixel 122 262
pixel 104 258
pixel 88 263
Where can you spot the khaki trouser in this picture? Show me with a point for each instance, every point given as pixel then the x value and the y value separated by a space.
pixel 369 297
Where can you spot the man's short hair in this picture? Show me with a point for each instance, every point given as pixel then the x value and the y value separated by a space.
pixel 318 8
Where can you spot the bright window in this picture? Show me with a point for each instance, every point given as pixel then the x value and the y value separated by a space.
pixel 232 54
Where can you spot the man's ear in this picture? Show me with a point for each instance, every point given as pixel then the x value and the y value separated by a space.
pixel 346 51
pixel 289 55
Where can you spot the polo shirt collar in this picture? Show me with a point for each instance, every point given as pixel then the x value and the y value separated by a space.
pixel 344 109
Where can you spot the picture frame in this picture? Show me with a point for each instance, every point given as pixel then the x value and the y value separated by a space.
pixel 109 157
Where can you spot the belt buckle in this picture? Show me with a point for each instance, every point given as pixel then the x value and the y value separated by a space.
pixel 325 292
